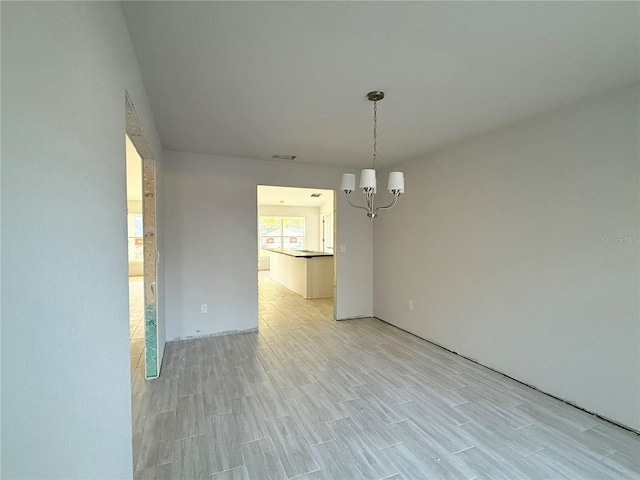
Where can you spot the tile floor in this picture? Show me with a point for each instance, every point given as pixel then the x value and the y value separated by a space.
pixel 136 322
pixel 311 398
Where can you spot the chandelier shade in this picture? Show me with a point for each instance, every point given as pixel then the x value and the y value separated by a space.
pixel 396 182
pixel 348 182
pixel 368 179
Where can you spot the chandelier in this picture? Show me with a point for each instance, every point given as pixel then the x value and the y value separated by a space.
pixel 368 175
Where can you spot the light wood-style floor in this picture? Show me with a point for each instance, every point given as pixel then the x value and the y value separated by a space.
pixel 311 398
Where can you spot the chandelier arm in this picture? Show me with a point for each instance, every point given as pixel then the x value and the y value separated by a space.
pixel 386 207
pixel 356 206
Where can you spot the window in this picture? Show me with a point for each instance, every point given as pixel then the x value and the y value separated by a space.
pixel 280 232
pixel 134 227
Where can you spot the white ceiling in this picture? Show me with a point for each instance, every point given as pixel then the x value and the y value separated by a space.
pixel 292 197
pixel 252 79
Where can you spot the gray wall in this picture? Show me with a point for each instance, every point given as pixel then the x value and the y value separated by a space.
pixel 520 250
pixel 210 232
pixel 66 407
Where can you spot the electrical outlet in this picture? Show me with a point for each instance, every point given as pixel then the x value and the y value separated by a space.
pixel 203 308
pixel 410 304
pixel 343 248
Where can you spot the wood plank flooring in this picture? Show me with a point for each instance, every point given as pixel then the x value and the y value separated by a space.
pixel 311 398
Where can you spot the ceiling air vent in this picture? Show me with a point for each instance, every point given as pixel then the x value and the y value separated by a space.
pixel 284 157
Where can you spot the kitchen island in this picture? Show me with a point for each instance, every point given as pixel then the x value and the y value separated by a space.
pixel 307 273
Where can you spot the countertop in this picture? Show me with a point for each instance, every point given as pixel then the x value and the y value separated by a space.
pixel 300 253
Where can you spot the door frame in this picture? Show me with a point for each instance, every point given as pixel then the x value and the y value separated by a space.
pixel 334 219
pixel 139 140
pixel 323 217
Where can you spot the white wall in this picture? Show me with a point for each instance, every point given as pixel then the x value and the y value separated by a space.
pixel 211 238
pixel 501 242
pixel 326 207
pixel 134 206
pixel 66 407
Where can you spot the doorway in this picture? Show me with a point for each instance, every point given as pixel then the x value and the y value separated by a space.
pixel 146 246
pixel 296 231
pixel 135 256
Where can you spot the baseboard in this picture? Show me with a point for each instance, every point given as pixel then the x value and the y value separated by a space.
pixel 218 334
pixel 358 318
pixel 602 417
